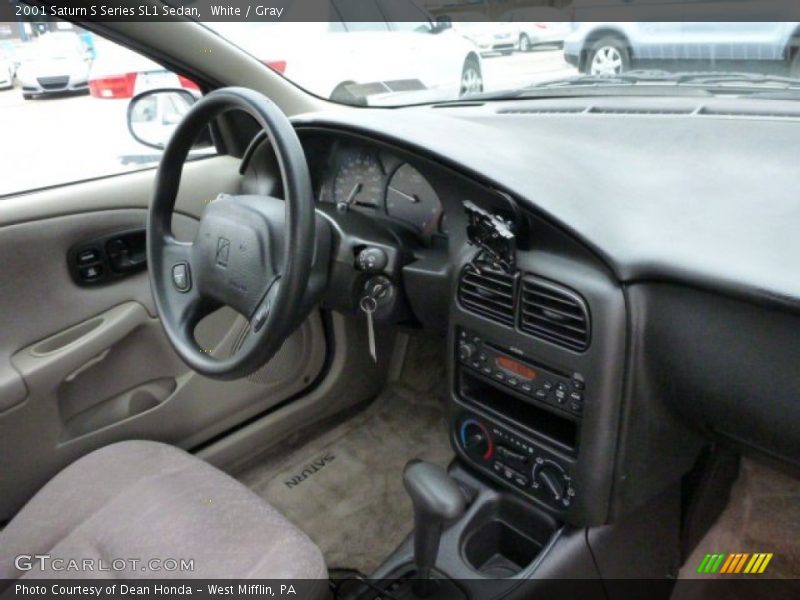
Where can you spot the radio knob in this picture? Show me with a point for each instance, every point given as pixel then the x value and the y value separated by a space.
pixel 466 350
pixel 476 440
pixel 551 478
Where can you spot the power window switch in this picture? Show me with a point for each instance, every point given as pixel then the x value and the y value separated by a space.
pixel 91 273
pixel 86 257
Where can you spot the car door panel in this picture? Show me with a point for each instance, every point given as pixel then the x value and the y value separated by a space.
pixel 715 40
pixel 658 40
pixel 85 366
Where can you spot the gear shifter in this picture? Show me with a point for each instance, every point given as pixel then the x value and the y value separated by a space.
pixel 436 498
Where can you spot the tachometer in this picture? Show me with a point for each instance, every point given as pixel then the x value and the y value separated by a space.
pixel 359 180
pixel 411 198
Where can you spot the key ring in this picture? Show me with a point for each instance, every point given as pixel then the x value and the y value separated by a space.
pixel 368 304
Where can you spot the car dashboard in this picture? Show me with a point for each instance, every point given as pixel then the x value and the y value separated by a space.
pixel 648 264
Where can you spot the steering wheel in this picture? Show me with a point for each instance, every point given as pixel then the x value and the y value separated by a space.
pixel 251 253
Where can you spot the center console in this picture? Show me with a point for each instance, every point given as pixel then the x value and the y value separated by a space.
pixel 536 349
pixel 498 384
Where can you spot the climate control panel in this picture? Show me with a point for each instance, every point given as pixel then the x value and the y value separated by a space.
pixel 515 460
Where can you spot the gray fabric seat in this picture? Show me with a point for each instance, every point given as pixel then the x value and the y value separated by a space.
pixel 143 500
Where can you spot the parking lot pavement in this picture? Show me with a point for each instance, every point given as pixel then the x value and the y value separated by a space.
pixel 49 141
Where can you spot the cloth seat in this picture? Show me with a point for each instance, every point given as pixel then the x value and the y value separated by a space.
pixel 146 500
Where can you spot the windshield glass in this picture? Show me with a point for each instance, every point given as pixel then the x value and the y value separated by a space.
pixel 425 58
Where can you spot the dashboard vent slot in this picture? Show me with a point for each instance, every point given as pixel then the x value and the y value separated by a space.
pixel 554 313
pixel 661 110
pixel 758 112
pixel 488 292
pixel 655 111
pixel 461 104
pixel 561 110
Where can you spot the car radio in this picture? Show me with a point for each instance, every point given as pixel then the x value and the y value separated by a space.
pixel 508 368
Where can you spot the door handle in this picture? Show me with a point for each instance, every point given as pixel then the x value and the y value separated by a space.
pixel 89 364
pixel 127 251
pixel 49 362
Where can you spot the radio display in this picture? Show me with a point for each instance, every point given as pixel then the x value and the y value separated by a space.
pixel 517 368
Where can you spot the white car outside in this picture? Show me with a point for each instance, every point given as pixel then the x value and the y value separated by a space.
pixel 489 37
pixel 539 26
pixel 609 48
pixel 366 63
pixel 6 71
pixel 54 63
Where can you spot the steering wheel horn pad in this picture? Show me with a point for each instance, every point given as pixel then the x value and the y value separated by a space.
pixel 255 254
pixel 237 251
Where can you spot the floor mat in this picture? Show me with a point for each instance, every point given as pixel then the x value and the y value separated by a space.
pixel 342 483
pixel 763 515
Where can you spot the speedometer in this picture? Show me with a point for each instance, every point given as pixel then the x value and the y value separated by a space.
pixel 411 198
pixel 359 180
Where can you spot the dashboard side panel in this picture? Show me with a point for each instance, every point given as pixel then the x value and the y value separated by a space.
pixel 729 366
pixel 656 445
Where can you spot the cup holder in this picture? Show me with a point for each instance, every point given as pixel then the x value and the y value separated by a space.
pixel 505 536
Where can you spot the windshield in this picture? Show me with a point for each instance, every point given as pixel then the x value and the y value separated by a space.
pixel 447 57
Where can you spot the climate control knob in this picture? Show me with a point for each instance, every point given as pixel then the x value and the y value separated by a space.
pixel 476 440
pixel 550 479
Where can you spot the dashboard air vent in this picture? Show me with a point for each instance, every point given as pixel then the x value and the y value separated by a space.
pixel 488 292
pixel 655 111
pixel 553 313
pixel 558 110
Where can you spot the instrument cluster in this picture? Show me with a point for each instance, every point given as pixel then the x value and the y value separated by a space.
pixel 360 177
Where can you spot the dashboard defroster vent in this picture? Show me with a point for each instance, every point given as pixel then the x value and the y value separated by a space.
pixel 488 292
pixel 553 313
